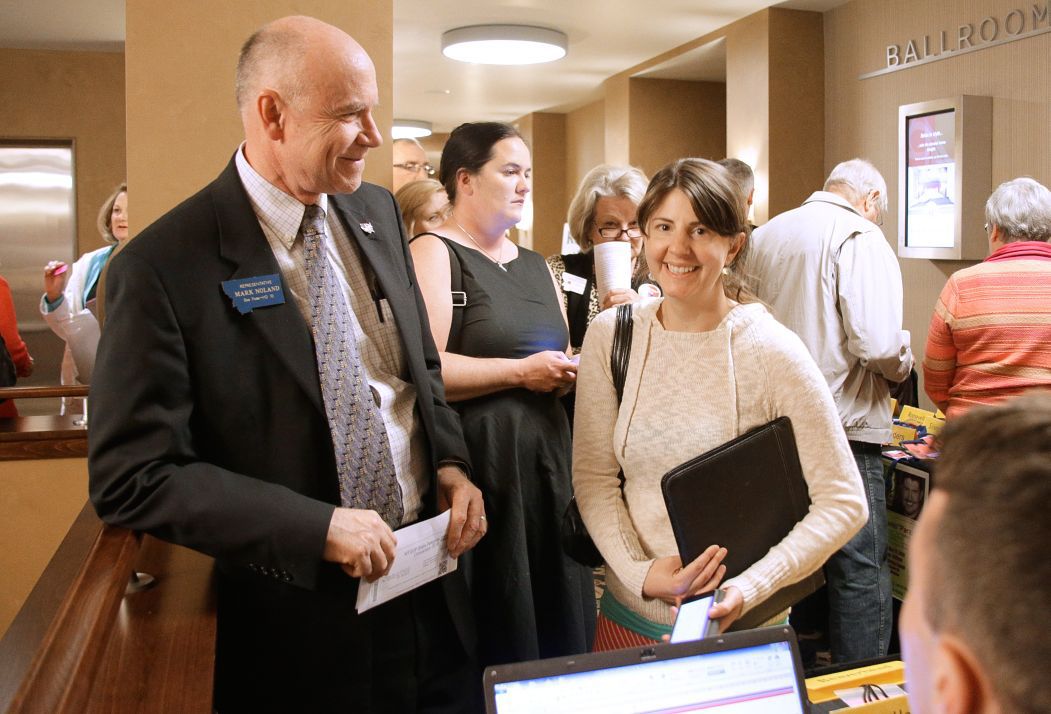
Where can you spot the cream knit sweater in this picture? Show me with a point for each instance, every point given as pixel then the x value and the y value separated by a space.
pixel 686 393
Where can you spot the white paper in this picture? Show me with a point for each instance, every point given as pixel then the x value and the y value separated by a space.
pixel 420 557
pixel 612 266
pixel 573 283
pixel 855 696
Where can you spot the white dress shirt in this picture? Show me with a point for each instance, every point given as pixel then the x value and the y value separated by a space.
pixel 280 216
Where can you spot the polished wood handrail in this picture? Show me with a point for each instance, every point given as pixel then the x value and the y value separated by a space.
pixel 43 437
pixel 71 390
pixel 81 643
pixel 70 652
pixel 24 637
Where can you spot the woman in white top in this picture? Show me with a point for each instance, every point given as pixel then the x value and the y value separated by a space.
pixel 70 293
pixel 706 365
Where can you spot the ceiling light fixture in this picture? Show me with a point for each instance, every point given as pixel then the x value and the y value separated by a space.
pixel 504 44
pixel 410 129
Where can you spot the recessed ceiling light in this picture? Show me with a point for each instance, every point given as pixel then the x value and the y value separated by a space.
pixel 504 44
pixel 410 129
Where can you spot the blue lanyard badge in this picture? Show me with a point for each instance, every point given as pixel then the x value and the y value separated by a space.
pixel 258 291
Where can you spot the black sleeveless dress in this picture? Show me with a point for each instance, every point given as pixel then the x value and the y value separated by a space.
pixel 531 601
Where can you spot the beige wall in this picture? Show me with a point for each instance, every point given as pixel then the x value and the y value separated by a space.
pixel 183 124
pixel 39 500
pixel 70 95
pixel 862 115
pixel 549 182
pixel 796 101
pixel 585 144
pixel 775 105
pixel 545 132
pixel 672 118
pixel 748 112
pixel 769 113
pixel 617 118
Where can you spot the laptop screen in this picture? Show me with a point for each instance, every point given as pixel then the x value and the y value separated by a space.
pixel 757 679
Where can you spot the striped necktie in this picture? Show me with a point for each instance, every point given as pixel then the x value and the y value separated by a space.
pixel 363 457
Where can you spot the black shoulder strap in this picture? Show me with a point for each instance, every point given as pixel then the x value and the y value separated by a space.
pixel 459 296
pixel 621 350
pixel 618 359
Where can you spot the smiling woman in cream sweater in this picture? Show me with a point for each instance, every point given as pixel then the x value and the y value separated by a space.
pixel 704 368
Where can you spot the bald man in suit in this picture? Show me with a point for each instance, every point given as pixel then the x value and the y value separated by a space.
pixel 211 425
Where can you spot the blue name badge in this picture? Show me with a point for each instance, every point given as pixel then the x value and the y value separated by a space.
pixel 258 291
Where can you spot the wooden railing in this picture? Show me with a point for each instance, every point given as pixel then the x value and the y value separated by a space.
pixel 73 390
pixel 87 642
pixel 84 641
pixel 43 437
pixel 56 645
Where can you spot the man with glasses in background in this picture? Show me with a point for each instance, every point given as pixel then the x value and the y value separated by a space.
pixel 828 274
pixel 410 162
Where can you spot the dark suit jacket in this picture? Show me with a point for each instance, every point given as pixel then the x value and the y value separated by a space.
pixel 208 427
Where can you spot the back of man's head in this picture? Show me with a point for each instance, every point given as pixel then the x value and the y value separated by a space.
pixel 856 179
pixel 742 174
pixel 975 631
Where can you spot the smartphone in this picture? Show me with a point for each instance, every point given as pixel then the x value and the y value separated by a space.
pixel 692 622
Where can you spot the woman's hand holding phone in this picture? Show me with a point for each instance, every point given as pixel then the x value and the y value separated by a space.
pixel 693 617
pixel 729 609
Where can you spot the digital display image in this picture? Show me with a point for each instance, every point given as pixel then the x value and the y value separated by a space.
pixel 931 181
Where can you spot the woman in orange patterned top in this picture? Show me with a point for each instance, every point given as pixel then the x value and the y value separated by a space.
pixel 990 335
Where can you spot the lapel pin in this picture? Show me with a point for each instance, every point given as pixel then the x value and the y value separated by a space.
pixel 367 227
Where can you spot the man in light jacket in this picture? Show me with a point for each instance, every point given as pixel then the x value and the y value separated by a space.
pixel 827 272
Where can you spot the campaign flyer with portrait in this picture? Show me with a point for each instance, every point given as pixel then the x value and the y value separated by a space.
pixel 909 489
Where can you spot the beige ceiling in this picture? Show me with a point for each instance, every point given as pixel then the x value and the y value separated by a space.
pixel 605 37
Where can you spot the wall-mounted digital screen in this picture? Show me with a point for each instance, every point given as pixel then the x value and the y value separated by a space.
pixel 930 180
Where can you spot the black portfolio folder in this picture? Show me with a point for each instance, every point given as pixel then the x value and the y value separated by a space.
pixel 745 495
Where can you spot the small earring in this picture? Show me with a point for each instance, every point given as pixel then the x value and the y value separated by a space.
pixel 726 270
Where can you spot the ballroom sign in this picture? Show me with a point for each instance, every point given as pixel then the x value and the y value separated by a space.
pixel 990 31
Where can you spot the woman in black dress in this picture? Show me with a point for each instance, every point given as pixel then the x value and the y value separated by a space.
pixel 498 322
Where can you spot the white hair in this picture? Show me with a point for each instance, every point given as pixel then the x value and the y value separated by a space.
pixel 272 54
pixel 856 179
pixel 603 181
pixel 1022 210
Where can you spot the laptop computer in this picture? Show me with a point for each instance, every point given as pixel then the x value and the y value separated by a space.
pixel 749 672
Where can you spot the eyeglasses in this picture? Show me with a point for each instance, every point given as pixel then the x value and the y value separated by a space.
pixel 615 233
pixel 415 168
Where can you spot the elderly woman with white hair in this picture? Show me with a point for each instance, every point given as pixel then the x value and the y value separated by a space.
pixel 989 335
pixel 604 209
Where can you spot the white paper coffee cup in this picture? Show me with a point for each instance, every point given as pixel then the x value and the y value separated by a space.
pixel 612 266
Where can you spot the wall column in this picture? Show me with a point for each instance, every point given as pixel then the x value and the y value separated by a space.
pixel 775 105
pixel 182 120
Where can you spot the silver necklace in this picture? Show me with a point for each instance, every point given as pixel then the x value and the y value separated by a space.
pixel 499 263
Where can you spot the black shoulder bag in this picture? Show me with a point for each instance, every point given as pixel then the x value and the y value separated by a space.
pixel 576 541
